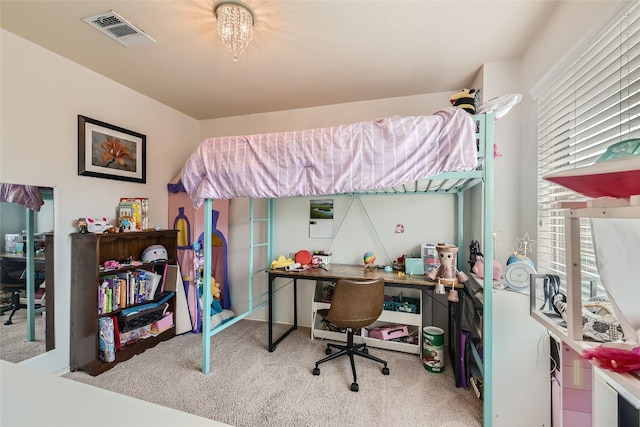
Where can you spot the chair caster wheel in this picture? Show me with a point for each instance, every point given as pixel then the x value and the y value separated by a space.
pixel 365 350
pixel 354 386
pixel 327 351
pixel 385 371
pixel 316 371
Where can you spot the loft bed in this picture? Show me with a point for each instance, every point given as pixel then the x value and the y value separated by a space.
pixel 449 151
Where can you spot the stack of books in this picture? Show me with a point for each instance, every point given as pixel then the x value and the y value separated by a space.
pixel 136 211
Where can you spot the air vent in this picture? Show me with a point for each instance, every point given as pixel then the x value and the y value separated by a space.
pixel 119 29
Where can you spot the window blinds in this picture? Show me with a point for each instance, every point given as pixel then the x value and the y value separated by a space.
pixel 592 103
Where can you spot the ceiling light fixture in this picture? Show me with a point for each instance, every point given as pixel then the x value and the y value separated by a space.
pixel 235 26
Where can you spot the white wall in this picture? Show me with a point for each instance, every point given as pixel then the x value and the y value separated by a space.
pixel 42 95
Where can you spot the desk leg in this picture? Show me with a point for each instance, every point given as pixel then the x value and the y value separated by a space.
pixel 274 344
pixel 455 317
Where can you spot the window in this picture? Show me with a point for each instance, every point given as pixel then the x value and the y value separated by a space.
pixel 588 105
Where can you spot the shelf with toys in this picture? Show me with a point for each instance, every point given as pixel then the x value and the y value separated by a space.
pixel 614 225
pixel 110 324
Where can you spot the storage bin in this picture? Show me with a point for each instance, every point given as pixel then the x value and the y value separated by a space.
pixel 163 324
pixel 414 266
pixel 389 303
pixel 389 332
pixel 407 305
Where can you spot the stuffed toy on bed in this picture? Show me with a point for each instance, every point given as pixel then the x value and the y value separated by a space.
pixel 467 99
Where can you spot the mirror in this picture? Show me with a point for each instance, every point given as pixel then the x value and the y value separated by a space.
pixel 26 271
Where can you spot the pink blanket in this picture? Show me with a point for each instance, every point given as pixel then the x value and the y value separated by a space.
pixel 340 159
pixel 25 195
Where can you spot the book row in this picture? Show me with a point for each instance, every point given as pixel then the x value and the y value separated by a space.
pixel 125 289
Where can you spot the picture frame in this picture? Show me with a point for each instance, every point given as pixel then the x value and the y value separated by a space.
pixel 111 152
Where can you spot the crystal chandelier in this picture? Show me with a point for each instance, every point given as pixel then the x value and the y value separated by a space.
pixel 235 26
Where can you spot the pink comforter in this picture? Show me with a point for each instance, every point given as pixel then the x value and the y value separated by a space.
pixel 341 159
pixel 25 195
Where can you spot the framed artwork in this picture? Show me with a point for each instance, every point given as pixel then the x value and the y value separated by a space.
pixel 107 151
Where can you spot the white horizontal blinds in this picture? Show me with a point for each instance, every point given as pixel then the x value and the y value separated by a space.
pixel 591 104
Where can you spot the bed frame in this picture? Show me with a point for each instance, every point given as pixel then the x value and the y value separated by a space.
pixel 456 183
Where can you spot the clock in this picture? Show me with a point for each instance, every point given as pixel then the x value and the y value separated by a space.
pixel 517 275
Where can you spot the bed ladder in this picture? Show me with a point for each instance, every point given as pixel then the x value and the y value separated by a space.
pixel 266 222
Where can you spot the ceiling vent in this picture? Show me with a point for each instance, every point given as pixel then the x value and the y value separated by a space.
pixel 119 29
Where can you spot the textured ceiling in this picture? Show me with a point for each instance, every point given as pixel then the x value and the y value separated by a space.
pixel 304 53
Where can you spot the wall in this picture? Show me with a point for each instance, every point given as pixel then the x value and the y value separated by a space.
pixel 42 95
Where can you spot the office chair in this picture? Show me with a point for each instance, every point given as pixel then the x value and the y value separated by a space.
pixel 355 304
pixel 19 293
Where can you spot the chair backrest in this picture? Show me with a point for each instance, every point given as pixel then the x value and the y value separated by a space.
pixel 356 303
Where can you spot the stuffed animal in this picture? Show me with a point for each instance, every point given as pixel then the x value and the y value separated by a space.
pixel 369 259
pixel 467 99
pixel 478 268
pixel 95 225
pixel 215 293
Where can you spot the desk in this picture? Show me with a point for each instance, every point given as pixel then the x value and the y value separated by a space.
pixel 333 273
pixel 352 271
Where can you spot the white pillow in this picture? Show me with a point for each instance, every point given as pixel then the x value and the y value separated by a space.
pixel 500 105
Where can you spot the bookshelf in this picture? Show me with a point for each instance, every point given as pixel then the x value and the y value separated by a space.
pixel 89 251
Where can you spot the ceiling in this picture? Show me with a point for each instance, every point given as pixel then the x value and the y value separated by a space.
pixel 304 53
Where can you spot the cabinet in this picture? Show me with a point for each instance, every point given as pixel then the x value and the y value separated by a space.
pixel 89 251
pixel 389 316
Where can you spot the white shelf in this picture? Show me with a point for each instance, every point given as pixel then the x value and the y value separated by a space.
pixel 627 384
pixel 412 320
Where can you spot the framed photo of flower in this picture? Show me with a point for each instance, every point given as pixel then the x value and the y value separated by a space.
pixel 107 151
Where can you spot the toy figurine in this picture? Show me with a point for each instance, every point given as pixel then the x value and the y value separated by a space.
pixel 474 252
pixel 82 225
pixel 369 260
pixel 447 273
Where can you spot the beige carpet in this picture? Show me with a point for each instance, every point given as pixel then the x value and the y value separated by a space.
pixel 248 386
pixel 14 346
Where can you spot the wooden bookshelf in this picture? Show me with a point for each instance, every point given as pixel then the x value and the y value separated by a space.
pixel 89 251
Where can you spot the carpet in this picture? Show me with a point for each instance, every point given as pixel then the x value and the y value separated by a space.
pixel 248 386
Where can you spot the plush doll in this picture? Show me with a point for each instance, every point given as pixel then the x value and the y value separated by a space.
pixel 478 268
pixel 215 293
pixel 369 259
pixel 95 225
pixel 467 99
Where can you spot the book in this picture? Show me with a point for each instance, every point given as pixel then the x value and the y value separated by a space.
pixel 116 333
pixel 618 178
pixel 160 269
pixel 153 281
pixel 139 211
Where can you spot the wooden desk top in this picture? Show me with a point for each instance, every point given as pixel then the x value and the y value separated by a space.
pixel 11 255
pixel 353 271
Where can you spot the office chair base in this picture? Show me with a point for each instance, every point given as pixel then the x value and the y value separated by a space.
pixel 350 350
